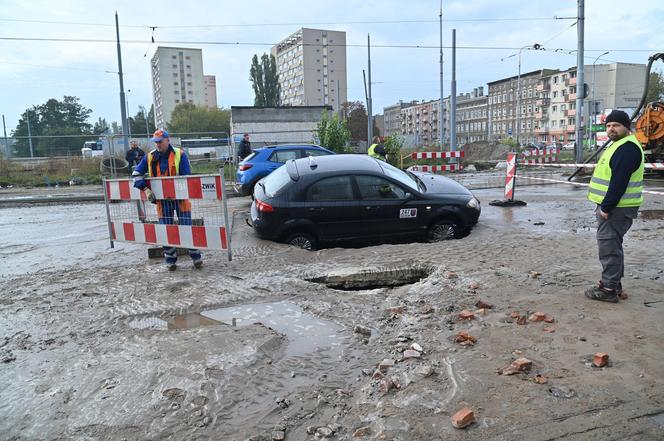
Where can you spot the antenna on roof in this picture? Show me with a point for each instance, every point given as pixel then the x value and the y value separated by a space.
pixel 312 163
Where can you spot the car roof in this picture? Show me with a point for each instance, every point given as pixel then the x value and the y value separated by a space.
pixel 289 146
pixel 332 163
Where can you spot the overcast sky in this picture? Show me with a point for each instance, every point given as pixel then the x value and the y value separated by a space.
pixel 488 32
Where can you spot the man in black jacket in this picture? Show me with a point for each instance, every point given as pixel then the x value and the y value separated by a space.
pixel 244 149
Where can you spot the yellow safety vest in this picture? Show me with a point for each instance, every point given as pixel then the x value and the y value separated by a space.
pixel 372 152
pixel 173 164
pixel 599 184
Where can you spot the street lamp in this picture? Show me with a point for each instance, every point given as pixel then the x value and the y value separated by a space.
pixel 535 46
pixel 594 135
pixel 128 123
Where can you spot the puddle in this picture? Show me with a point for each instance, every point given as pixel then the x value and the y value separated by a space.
pixel 652 214
pixel 371 279
pixel 305 332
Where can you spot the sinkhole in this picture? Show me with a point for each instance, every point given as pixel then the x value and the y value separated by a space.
pixel 353 280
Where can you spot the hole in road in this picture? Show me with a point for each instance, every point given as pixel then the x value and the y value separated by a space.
pixel 305 332
pixel 371 279
pixel 652 214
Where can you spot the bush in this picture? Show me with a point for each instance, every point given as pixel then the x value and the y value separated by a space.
pixel 332 133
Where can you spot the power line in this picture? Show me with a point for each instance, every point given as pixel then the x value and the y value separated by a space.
pixel 60 67
pixel 240 43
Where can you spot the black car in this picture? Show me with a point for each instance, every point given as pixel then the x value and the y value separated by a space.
pixel 311 201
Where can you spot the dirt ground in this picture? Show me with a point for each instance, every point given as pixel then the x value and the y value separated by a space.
pixel 114 347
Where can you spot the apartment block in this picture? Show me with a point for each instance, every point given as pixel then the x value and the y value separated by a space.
pixel 420 122
pixel 311 64
pixel 472 116
pixel 210 82
pixel 177 77
pixel 392 117
pixel 512 105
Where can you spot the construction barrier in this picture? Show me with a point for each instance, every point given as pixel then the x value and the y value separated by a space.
pixel 190 212
pixel 427 168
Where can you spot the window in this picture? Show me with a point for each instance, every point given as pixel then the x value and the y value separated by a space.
pixel 282 156
pixel 336 188
pixel 374 187
pixel 315 153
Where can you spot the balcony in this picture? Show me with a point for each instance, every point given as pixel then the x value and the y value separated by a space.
pixel 570 112
pixel 570 97
pixel 570 81
pixel 542 102
pixel 571 127
pixel 541 115
pixel 543 87
pixel 542 131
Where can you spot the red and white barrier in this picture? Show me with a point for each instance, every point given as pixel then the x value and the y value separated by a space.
pixel 435 168
pixel 648 165
pixel 437 155
pixel 540 152
pixel 511 174
pixel 177 187
pixel 185 236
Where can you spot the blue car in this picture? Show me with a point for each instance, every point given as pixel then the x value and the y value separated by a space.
pixel 261 162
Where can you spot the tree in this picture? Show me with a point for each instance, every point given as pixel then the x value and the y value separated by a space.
pixel 265 81
pixel 356 117
pixel 332 133
pixel 140 125
pixel 655 88
pixel 100 127
pixel 48 120
pixel 393 145
pixel 188 118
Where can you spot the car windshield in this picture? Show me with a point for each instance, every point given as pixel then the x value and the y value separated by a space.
pixel 275 181
pixel 409 180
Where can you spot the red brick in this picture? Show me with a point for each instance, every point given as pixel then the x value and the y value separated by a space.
pixel 535 274
pixel 483 304
pixel 481 311
pixel 385 364
pixel 385 385
pixel 600 359
pixel 537 317
pixel 549 319
pixel 411 353
pixel 540 379
pixel 463 418
pixel 465 338
pixel 515 314
pixel 466 315
pixel 522 320
pixel 377 375
pixel 522 364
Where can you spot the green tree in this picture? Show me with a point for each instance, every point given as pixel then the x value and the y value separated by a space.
pixel 356 118
pixel 188 118
pixel 265 81
pixel 655 88
pixel 140 125
pixel 101 126
pixel 53 118
pixel 332 133
pixel 393 145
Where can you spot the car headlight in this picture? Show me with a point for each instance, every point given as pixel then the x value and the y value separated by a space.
pixel 473 203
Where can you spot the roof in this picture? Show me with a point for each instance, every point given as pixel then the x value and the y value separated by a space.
pixel 330 163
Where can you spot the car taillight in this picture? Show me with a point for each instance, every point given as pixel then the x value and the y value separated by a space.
pixel 262 206
pixel 244 167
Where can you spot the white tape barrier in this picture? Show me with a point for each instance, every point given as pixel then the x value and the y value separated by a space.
pixel 580 184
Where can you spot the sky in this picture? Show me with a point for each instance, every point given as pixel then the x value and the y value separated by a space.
pixel 404 37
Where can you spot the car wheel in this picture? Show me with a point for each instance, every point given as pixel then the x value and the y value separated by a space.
pixel 302 240
pixel 444 229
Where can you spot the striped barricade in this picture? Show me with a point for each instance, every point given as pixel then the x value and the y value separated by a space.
pixel 190 212
pixel 436 168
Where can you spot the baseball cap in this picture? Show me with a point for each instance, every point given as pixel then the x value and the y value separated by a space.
pixel 159 135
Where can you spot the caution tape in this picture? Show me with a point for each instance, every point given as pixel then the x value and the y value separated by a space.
pixel 437 155
pixel 649 165
pixel 580 184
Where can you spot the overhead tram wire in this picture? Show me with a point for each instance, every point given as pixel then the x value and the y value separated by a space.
pixel 240 43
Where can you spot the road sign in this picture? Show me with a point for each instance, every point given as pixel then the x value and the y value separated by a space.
pixel 509 131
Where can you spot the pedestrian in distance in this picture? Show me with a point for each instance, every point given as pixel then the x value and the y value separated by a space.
pixel 165 160
pixel 376 150
pixel 244 149
pixel 134 154
pixel 617 188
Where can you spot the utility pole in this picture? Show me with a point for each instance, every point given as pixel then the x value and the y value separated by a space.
pixel 593 122
pixel 453 98
pixel 369 103
pixel 580 86
pixel 4 129
pixel 123 109
pixel 32 154
pixel 441 113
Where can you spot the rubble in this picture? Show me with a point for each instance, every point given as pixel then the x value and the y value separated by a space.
pixel 463 418
pixel 600 359
pixel 519 365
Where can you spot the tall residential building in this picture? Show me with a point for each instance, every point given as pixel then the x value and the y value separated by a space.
pixel 311 64
pixel 420 122
pixel 210 82
pixel 177 77
pixel 392 115
pixel 471 117
pixel 503 102
pixel 610 86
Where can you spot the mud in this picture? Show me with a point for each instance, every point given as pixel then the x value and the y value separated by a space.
pixel 103 344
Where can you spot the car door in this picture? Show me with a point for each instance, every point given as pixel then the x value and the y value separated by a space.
pixel 332 206
pixel 279 158
pixel 388 208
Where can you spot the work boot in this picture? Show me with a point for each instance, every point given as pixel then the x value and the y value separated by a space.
pixel 602 294
pixel 198 263
pixel 171 266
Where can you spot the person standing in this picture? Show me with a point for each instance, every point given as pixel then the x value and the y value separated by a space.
pixel 134 154
pixel 165 160
pixel 244 149
pixel 376 150
pixel 616 187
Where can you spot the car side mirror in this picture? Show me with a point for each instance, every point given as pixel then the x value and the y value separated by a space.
pixel 407 197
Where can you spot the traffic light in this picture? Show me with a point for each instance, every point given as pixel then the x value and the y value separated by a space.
pixel 586 90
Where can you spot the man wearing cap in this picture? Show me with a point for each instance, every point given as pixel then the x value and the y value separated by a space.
pixel 165 160
pixel 134 154
pixel 616 187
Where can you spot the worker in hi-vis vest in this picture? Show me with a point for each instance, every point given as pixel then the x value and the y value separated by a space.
pixel 165 160
pixel 376 150
pixel 617 189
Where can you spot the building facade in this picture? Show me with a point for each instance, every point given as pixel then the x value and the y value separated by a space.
pixel 210 91
pixel 471 117
pixel 311 64
pixel 512 105
pixel 419 122
pixel 392 117
pixel 177 77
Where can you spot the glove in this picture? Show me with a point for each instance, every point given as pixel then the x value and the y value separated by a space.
pixel 151 197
